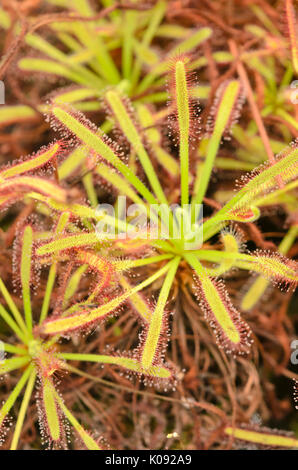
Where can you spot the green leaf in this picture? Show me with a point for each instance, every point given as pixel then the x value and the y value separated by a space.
pixel 15 393
pixel 27 243
pixel 156 322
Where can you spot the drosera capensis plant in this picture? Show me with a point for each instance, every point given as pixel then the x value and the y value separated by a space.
pixel 243 208
pixel 91 248
pixel 128 165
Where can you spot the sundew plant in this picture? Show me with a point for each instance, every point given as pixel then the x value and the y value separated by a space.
pixel 155 237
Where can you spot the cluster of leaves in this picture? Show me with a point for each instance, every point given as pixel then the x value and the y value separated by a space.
pixel 77 250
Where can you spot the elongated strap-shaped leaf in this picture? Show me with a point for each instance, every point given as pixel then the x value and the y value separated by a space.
pixel 181 93
pixel 62 222
pixel 123 264
pixel 12 306
pixel 14 349
pixel 85 132
pixel 263 436
pixel 255 186
pixel 103 64
pixel 154 137
pixel 129 363
pixel 33 183
pixel 130 21
pixel 13 363
pixel 232 333
pixel 172 31
pixel 26 275
pixel 78 210
pixel 87 180
pixel 22 334
pixel 73 95
pixel 36 161
pixel 39 43
pixel 152 341
pixel 30 64
pixel 88 317
pixel 224 113
pixel 67 242
pixel 73 283
pixel 51 411
pixel 73 72
pixel 293 34
pixel 36 41
pixel 16 113
pixel 264 179
pixel 137 301
pixel 90 443
pixel 126 124
pixel 273 266
pixel 259 285
pixel 14 394
pixel 23 410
